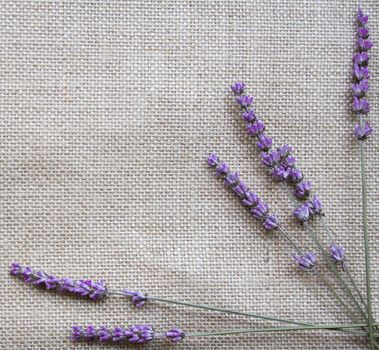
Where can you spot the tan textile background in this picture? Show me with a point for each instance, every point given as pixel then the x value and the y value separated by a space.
pixel 108 111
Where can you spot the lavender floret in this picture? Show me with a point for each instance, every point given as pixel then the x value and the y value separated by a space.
pixel 361 105
pixel 264 143
pixel 138 299
pixel 302 213
pixel 303 190
pixel 245 101
pixel 256 128
pixel 306 261
pixel 249 116
pixel 337 253
pixel 238 88
pixel 363 133
pixel 176 335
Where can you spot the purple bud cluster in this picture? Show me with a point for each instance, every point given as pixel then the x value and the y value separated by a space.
pixel 138 299
pixel 84 288
pixel 258 209
pixel 307 261
pixel 361 76
pixel 280 161
pixel 337 254
pixel 138 334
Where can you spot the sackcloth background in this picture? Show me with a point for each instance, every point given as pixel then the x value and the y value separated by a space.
pixel 108 112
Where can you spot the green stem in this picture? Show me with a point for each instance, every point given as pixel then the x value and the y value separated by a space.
pixel 365 236
pixel 230 312
pixel 278 329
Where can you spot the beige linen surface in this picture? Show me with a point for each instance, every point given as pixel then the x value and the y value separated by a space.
pixel 108 111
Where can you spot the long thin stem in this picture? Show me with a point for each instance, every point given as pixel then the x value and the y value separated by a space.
pixel 365 236
pixel 228 311
pixel 277 329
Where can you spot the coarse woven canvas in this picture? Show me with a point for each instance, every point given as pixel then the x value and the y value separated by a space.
pixel 108 112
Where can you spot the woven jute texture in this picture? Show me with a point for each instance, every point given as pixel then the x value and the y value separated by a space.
pixel 108 112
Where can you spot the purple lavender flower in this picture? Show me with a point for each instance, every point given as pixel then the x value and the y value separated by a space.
pixel 302 213
pixel 306 261
pixel 364 44
pixel 281 173
pixel 360 88
pixel 140 334
pixel 222 169
pixel 249 116
pixel 15 269
pixel 363 32
pixel 271 223
pixel 362 19
pixel 232 179
pixel 361 72
pixel 138 299
pixel 245 101
pixel 315 206
pixel 270 159
pixel 361 105
pixel 255 129
pixel 175 335
pixel 90 332
pixel 363 133
pixel 105 334
pixel 296 175
pixel 284 151
pixel 289 161
pixel 134 334
pixel 238 88
pixel 264 143
pixel 85 288
pixel 303 190
pixel 251 199
pixel 258 209
pixel 337 254
pixel 241 189
pixel 213 159
pixel 361 58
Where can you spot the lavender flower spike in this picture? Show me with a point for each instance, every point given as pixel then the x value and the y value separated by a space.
pixel 258 209
pixel 306 261
pixel 84 288
pixel 134 334
pixel 138 299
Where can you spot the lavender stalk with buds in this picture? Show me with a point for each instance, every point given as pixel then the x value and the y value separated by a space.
pixel 362 131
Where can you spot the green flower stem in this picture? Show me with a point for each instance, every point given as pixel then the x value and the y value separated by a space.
pixel 345 268
pixel 365 236
pixel 333 268
pixel 233 312
pixel 279 329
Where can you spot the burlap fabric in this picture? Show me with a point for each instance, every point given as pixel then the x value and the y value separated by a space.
pixel 108 111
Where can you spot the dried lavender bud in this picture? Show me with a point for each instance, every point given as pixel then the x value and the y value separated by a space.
pixel 138 299
pixel 363 133
pixel 303 190
pixel 306 261
pixel 315 206
pixel 222 169
pixel 281 173
pixel 364 44
pixel 296 175
pixel 270 159
pixel 361 58
pixel 363 32
pixel 238 88
pixel 264 143
pixel 362 19
pixel 175 335
pixel 249 116
pixel 361 72
pixel 302 213
pixel 361 105
pixel 360 88
pixel 83 288
pixel 255 129
pixel 337 253
pixel 245 101
pixel 134 334
pixel 271 222
pixel 258 209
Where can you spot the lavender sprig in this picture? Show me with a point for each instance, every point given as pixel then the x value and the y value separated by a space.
pixel 258 209
pixel 84 288
pixel 362 131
